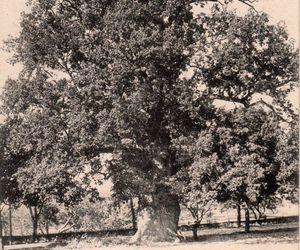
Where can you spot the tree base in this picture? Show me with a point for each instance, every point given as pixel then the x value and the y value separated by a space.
pixel 154 228
pixel 159 222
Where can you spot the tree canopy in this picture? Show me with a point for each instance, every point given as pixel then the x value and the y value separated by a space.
pixel 115 77
pixel 247 61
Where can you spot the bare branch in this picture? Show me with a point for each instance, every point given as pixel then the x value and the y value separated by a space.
pixel 62 228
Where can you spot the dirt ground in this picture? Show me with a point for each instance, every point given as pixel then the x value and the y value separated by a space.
pixel 213 246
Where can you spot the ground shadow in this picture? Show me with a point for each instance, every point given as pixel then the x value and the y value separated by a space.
pixel 256 236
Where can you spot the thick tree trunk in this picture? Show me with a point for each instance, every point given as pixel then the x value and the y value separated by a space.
pixel 239 219
pixel 247 220
pixel 158 221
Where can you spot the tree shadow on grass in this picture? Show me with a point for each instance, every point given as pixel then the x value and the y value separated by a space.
pixel 259 236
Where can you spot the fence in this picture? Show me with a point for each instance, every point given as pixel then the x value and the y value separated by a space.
pixel 270 220
pixel 127 232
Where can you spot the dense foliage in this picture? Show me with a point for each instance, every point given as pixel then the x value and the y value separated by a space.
pixel 137 81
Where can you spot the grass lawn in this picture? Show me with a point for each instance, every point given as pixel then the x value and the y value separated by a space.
pixel 267 237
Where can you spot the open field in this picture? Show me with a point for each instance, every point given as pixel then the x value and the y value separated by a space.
pixel 267 237
pixel 273 237
pixel 211 246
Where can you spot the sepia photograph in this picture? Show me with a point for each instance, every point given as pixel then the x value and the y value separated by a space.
pixel 149 124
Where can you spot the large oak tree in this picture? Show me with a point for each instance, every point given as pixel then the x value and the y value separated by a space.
pixel 114 77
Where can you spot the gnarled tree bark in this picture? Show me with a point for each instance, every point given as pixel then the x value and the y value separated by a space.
pixel 158 220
